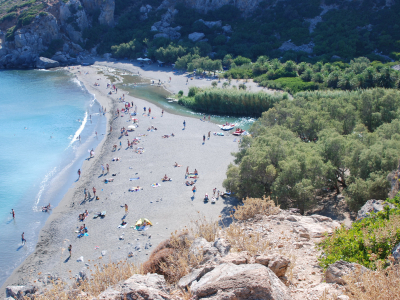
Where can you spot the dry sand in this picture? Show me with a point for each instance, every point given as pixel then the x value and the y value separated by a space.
pixel 174 211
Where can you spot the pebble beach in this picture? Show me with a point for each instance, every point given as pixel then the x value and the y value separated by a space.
pixel 170 206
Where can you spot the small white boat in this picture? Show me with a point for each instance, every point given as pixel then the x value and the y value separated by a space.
pixel 227 127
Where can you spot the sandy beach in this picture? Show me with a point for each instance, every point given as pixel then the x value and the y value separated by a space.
pixel 170 206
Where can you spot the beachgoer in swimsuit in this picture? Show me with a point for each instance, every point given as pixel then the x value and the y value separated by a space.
pixel 13 213
pixel 70 250
pixel 23 238
pixel 94 191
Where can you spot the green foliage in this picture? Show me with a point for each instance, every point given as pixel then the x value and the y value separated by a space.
pixel 26 16
pixel 8 17
pixel 366 242
pixel 21 5
pixel 232 102
pixel 131 49
pixel 291 85
pixel 10 33
pixel 170 54
pixel 353 137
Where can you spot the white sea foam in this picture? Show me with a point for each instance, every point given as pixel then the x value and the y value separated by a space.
pixel 80 129
pixel 43 186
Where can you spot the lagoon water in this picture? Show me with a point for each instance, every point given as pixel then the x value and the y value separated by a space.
pixel 41 115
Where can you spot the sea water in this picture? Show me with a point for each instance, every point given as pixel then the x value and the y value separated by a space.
pixel 42 115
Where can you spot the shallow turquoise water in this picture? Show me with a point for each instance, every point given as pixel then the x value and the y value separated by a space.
pixel 40 113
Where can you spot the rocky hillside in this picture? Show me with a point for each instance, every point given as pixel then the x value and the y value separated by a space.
pixel 68 30
pixel 268 253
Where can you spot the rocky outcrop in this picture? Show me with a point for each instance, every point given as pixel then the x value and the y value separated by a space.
pixel 73 19
pixel 28 42
pixel 150 286
pixel 286 46
pixel 203 6
pixel 277 263
pixel 20 292
pixel 196 36
pixel 163 26
pixel 372 206
pixel 396 252
pixel 106 8
pixel 211 24
pixel 230 281
pixel 339 269
pixel 46 63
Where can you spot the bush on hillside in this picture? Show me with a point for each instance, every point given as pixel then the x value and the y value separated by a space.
pixel 367 241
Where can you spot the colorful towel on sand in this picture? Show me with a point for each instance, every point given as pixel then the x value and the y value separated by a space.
pixel 155 185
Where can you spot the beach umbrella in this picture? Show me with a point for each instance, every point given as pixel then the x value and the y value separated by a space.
pixel 131 127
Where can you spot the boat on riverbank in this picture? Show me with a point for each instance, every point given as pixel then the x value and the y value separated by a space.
pixel 227 127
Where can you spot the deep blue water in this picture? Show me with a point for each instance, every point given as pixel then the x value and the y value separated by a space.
pixel 41 114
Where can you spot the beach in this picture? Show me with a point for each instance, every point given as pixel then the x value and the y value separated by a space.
pixel 169 206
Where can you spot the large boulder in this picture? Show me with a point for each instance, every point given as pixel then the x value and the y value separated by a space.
pixel 200 247
pixel 46 63
pixel 196 36
pixel 277 263
pixel 337 270
pixel 372 206
pixel 237 282
pixel 314 226
pixel 150 286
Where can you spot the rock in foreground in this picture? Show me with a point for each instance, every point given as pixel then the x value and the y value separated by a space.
pixel 230 281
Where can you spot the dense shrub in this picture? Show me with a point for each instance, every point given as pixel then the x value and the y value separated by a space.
pixel 233 102
pixel 367 241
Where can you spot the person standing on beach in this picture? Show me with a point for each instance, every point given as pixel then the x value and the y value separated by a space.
pixel 209 134
pixel 184 124
pixel 13 213
pixel 85 193
pixel 108 168
pixel 126 209
pixel 162 113
pixel 187 170
pixel 79 173
pixel 149 111
pixel 194 190
pixel 204 138
pixel 23 238
pixel 144 109
pixel 70 250
pixel 102 169
pixel 94 191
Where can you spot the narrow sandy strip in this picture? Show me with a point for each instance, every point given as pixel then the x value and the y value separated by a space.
pixel 174 211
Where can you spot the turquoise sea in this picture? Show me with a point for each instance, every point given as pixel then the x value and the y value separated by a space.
pixel 41 115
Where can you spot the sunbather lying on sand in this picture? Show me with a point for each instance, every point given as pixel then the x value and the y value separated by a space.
pixel 116 159
pixel 176 165
pixel 135 189
pixel 108 180
pixel 189 183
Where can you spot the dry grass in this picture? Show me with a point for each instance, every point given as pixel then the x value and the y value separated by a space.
pixel 240 240
pixel 205 229
pixel 382 284
pixel 255 206
pixel 101 278
pixel 180 261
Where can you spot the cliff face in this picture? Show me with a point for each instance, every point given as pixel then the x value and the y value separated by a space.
pixel 62 21
pixel 28 42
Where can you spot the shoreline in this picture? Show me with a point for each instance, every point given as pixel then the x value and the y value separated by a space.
pixel 50 253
